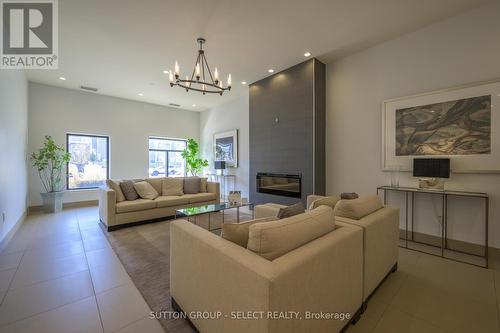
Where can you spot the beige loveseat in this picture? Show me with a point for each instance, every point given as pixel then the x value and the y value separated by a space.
pixel 380 225
pixel 249 291
pixel 121 213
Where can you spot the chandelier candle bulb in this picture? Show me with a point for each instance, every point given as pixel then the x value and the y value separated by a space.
pixel 216 75
pixel 198 70
pixel 229 81
pixel 176 68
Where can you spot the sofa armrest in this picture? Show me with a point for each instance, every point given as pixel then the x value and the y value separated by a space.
pixel 324 275
pixel 209 273
pixel 267 210
pixel 107 206
pixel 213 187
pixel 311 198
pixel 380 242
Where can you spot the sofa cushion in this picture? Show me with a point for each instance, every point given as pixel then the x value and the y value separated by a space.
pixel 133 206
pixel 115 186
pixel 172 186
pixel 128 189
pixel 156 183
pixel 192 185
pixel 200 197
pixel 171 200
pixel 358 208
pixel 145 190
pixel 326 201
pixel 273 239
pixel 290 211
pixel 238 232
pixel 203 185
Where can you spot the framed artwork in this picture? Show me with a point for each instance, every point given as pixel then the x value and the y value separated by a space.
pixel 460 123
pixel 226 147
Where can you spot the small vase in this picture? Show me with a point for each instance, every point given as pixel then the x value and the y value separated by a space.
pixel 395 177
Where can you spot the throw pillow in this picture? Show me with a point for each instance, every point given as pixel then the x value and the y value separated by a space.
pixel 192 185
pixel 238 232
pixel 115 186
pixel 276 238
pixel 292 210
pixel 128 190
pixel 349 195
pixel 172 186
pixel 203 185
pixel 145 190
pixel 326 201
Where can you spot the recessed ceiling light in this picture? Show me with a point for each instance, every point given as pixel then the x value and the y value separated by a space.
pixel 193 105
pixel 270 70
pixel 62 78
pixel 307 54
pixel 243 82
pixel 141 94
pixel 165 72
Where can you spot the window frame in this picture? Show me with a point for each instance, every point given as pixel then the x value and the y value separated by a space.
pixel 67 164
pixel 166 151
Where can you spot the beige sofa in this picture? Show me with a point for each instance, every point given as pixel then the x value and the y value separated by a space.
pixel 115 215
pixel 380 225
pixel 241 288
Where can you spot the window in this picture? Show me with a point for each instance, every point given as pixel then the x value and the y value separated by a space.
pixel 89 164
pixel 165 159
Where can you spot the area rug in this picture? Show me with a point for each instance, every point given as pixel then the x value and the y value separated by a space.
pixel 145 253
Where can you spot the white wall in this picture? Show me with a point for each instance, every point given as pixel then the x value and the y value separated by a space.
pixel 460 50
pixel 57 111
pixel 13 137
pixel 232 115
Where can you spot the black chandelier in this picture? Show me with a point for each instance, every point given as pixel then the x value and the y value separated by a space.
pixel 201 79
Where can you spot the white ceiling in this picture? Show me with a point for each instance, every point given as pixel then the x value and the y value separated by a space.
pixel 121 47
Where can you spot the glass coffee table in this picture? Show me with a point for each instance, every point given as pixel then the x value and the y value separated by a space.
pixel 208 209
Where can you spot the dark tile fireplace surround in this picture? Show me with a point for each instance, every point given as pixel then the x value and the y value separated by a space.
pixel 287 135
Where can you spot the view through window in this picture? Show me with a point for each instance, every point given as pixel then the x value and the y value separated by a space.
pixel 89 164
pixel 165 159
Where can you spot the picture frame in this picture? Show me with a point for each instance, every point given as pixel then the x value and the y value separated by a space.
pixel 226 147
pixel 485 162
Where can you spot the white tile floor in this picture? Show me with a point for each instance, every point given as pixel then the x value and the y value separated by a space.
pixel 59 274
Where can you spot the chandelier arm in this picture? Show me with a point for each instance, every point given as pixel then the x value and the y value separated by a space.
pixel 203 63
pixel 209 71
pixel 194 68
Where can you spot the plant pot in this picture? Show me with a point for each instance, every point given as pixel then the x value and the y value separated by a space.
pixel 52 201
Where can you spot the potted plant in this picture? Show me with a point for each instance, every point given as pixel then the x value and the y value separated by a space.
pixel 194 163
pixel 49 162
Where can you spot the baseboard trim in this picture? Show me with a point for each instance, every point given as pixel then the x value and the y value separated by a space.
pixel 12 232
pixel 75 204
pixel 452 244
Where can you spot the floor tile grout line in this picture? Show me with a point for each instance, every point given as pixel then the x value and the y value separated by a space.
pixel 43 281
pixel 90 273
pixel 395 294
pixel 12 279
pixel 42 312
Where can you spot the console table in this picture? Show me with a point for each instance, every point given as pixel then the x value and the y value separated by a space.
pixel 410 192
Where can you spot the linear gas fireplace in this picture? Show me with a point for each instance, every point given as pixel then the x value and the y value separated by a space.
pixel 279 184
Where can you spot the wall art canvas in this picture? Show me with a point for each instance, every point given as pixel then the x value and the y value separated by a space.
pixel 226 147
pixel 460 127
pixel 460 123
